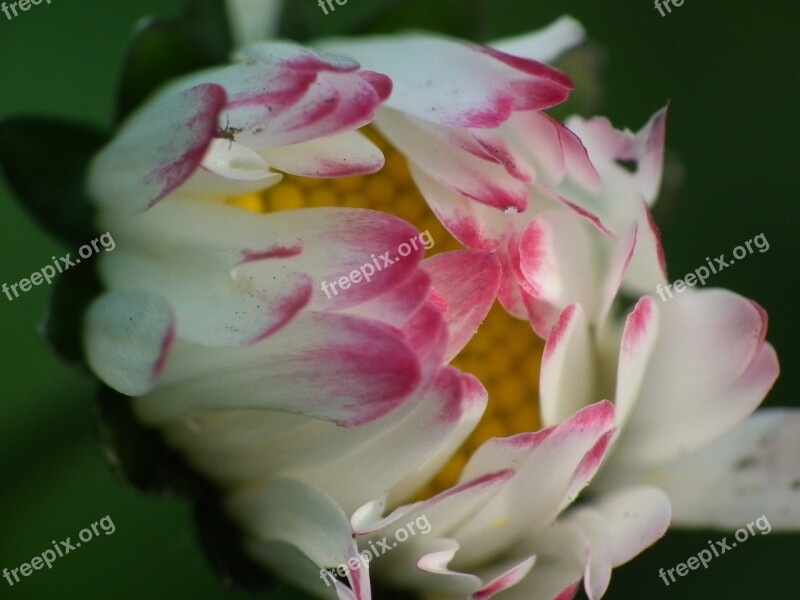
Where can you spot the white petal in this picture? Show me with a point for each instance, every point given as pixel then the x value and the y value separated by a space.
pixel 333 367
pixel 568 378
pixel 750 472
pixel 343 155
pixel 617 528
pixel 158 148
pixel 128 337
pixel 708 371
pixel 561 261
pixel 434 417
pixel 548 463
pixel 473 224
pixel 253 20
pixel 546 44
pixel 433 149
pixel 296 514
pixel 636 348
pixel 451 83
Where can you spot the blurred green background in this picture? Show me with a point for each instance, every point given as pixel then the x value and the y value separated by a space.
pixel 728 69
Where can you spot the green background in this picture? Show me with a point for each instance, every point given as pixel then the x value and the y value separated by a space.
pixel 728 69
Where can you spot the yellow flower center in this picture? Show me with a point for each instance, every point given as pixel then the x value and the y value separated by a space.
pixel 504 354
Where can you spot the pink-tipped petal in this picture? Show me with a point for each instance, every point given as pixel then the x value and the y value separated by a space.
pixel 483 85
pixel 336 368
pixel 467 300
pixel 638 340
pixel 157 150
pixel 508 579
pixel 708 371
pixel 568 377
pixel 546 462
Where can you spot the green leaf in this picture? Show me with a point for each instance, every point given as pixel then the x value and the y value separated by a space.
pixel 44 161
pixel 63 324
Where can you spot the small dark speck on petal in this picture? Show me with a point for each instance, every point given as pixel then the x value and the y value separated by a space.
pixel 746 462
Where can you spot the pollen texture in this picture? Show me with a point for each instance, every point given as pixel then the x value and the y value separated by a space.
pixel 504 355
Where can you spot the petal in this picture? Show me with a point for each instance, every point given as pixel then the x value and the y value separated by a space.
pixel 457 84
pixel 552 149
pixel 412 438
pixel 617 528
pixel 332 367
pixel 291 512
pixel 211 308
pixel 546 44
pixel 157 150
pixel 547 462
pixel 253 20
pixel 445 511
pixel 283 94
pixel 749 473
pixel 397 305
pixel 638 340
pixel 343 155
pixel 568 377
pixel 231 160
pixel 473 404
pixel 508 579
pixel 560 564
pixel 473 224
pixel 234 277
pixel 707 373
pixel 128 338
pixel 375 250
pixel 466 301
pixel 647 269
pixel 619 263
pixel 561 259
pixel 432 148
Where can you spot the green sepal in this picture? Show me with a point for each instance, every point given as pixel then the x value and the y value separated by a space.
pixel 44 161
pixel 62 328
pixel 139 455
pixel 165 48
